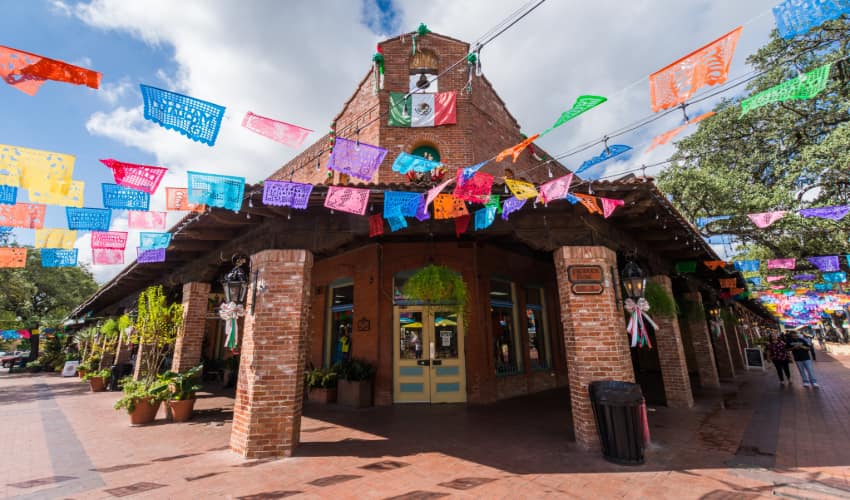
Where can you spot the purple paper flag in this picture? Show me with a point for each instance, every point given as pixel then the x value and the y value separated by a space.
pixel 150 256
pixel 286 194
pixel 827 263
pixel 832 213
pixel 356 158
pixel 803 277
pixel 510 206
pixel 422 210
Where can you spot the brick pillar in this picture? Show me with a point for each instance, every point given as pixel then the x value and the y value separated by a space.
pixel 137 369
pixel 699 337
pixel 722 352
pixel 595 337
pixel 671 354
pixel 733 338
pixel 275 343
pixel 187 348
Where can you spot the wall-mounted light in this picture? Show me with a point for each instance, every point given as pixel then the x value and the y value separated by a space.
pixel 634 280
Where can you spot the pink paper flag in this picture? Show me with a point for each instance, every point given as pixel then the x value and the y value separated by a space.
pixel 146 220
pixel 475 189
pixel 782 264
pixel 556 189
pixel 142 177
pixel 284 133
pixel 765 219
pixel 116 240
pixel 609 205
pixel 107 256
pixel 771 279
pixel 436 190
pixel 347 199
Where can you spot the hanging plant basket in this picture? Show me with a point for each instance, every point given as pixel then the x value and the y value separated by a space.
pixel 437 285
pixel 660 301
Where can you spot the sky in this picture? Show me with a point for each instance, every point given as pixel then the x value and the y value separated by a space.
pixel 299 61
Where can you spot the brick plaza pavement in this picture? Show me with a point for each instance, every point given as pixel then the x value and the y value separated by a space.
pixel 755 439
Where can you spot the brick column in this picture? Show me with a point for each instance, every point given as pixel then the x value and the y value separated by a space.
pixel 595 337
pixel 275 343
pixel 187 348
pixel 733 338
pixel 697 333
pixel 722 351
pixel 137 369
pixel 671 354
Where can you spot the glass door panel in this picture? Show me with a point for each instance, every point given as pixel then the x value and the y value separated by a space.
pixel 412 373
pixel 448 377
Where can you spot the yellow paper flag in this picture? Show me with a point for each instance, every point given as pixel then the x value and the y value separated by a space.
pixel 72 198
pixel 521 190
pixel 55 238
pixel 36 170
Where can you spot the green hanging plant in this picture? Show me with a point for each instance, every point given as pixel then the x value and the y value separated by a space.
pixel 659 300
pixel 437 285
pixel 691 311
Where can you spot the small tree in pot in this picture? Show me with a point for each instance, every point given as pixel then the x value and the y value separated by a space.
pixel 141 400
pixel 322 384
pixel 181 392
pixel 355 383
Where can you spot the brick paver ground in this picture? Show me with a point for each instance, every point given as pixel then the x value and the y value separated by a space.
pixel 754 439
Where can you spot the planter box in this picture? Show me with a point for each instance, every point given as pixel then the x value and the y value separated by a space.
pixel 355 394
pixel 323 396
pixel 97 384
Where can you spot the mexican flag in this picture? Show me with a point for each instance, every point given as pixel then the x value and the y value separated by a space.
pixel 422 109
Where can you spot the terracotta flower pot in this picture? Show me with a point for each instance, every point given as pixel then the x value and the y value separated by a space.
pixel 97 384
pixel 81 372
pixel 181 411
pixel 357 394
pixel 144 412
pixel 323 395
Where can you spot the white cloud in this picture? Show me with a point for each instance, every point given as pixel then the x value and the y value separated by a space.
pixel 113 93
pixel 60 7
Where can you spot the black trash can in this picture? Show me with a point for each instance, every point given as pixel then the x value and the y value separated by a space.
pixel 617 407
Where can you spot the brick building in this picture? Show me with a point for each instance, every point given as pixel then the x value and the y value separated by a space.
pixel 323 290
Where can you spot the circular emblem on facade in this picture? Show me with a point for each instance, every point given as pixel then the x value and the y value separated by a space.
pixel 423 109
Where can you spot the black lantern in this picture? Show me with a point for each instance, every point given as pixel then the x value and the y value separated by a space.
pixel 235 282
pixel 634 280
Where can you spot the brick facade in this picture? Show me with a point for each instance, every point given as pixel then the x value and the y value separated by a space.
pixel 190 338
pixel 594 335
pixel 269 395
pixel 695 332
pixel 722 351
pixel 671 354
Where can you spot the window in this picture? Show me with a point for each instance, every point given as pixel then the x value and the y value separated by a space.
pixel 340 314
pixel 423 71
pixel 426 151
pixel 538 337
pixel 503 320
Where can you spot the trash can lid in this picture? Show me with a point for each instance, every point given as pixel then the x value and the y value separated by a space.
pixel 615 392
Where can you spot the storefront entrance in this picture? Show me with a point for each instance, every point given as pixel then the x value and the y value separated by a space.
pixel 429 364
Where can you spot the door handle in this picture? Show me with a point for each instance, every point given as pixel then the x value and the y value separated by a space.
pixel 423 362
pixel 436 362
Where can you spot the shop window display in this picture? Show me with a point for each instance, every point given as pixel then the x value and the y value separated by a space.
pixel 503 321
pixel 538 339
pixel 341 318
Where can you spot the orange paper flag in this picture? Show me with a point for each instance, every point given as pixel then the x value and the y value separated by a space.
pixel 589 203
pixel 27 72
pixel 709 65
pixel 670 134
pixel 178 199
pixel 26 215
pixel 447 206
pixel 714 265
pixel 516 150
pixel 13 257
pixel 728 282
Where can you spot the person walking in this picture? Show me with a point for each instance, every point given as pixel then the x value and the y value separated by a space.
pixel 801 350
pixel 777 352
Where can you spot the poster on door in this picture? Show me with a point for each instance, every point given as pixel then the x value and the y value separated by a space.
pixel 446 338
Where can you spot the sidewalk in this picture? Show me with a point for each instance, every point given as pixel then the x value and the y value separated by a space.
pixel 758 440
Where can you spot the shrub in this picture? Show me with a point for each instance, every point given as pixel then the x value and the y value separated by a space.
pixel 105 373
pixel 321 378
pixel 355 370
pixel 135 391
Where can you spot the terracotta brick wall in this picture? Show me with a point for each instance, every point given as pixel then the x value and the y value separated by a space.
pixel 596 346
pixel 190 338
pixel 723 353
pixel 267 410
pixel 671 354
pixel 696 332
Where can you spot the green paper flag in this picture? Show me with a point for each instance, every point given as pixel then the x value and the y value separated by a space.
pixel 805 86
pixel 582 104
pixel 687 266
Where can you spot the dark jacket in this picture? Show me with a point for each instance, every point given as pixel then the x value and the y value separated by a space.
pixel 800 348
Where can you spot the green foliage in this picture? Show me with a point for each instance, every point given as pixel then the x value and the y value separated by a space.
pixel 104 374
pixel 321 379
pixel 659 300
pixel 135 391
pixel 180 386
pixel 156 328
pixel 51 353
pixel 437 285
pixel 788 155
pixel 41 297
pixel 355 370
pixel 34 366
pixel 84 339
pixel 109 328
pixel 691 311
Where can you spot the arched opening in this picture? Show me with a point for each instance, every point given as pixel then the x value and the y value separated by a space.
pixel 423 68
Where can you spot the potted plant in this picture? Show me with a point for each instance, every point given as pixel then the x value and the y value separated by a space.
pixel 34 366
pixel 87 366
pixel 322 384
pixel 355 383
pixel 141 400
pixel 97 380
pixel 181 392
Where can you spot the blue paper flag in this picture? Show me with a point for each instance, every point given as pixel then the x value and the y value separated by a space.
pixel 755 281
pixel 607 154
pixel 720 239
pixel 196 119
pixel 88 219
pixel 405 162
pixel 511 205
pixel 747 265
pixel 484 218
pixel 154 241
pixel 5 229
pixel 396 222
pixel 401 204
pixel 823 287
pixel 58 257
pixel 223 191
pixel 124 198
pixel 8 195
pixel 701 222
pixel 469 172
pixel 835 277
pixel 796 17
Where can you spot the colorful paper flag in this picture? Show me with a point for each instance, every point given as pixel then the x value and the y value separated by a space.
pixel 286 194
pixel 835 277
pixel 422 210
pixel 376 225
pixel 831 213
pixel 521 190
pixel 13 257
pixel 27 72
pixel 765 219
pixel 113 240
pixel 405 162
pixel 670 134
pixel 701 222
pixel 55 238
pixel 146 220
pixel 88 219
pixel 422 109
pixel 687 266
pixel 589 202
pixel 510 206
pixel 706 66
pixel 607 154
pixel 347 199
pixel 400 204
pixel 107 256
pixel 827 263
pixel 178 199
pixel 140 177
pixel 36 170
pixel 609 205
pixel 356 159
pixel 153 241
pixel 747 265
pixel 8 195
pixel 124 198
pixel 26 215
pixel 782 263
pixel 222 191
pixel 728 282
pixel 484 218
pixel 73 197
pixel 282 132
pixel 436 190
pixel 797 17
pixel 804 86
pixel 58 257
pixel 462 224
pixel 447 206
pixel 714 265
pixel 476 190
pixel 582 104
pixel 516 150
pixel 150 256
pixel 556 189
pixel 196 119
pixel 773 279
pixel 396 223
